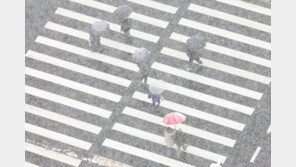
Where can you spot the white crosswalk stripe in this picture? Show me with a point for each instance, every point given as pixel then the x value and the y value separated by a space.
pixel 156 5
pixel 207 81
pixel 217 66
pixel 52 154
pixel 226 51
pixel 160 140
pixel 134 15
pixel 247 6
pixel 62 119
pixel 75 67
pixel 144 154
pixel 225 33
pixel 193 112
pixel 187 129
pixel 229 17
pixel 72 84
pixel 68 102
pixel 114 27
pixel 57 136
pixel 27 164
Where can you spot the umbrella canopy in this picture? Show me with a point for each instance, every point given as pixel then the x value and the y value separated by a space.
pixel 157 86
pixel 174 118
pixel 141 56
pixel 99 28
pixel 196 42
pixel 123 12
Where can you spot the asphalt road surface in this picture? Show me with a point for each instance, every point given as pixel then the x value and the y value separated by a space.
pixel 90 109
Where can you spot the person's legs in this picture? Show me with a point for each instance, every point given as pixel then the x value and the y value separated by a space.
pixel 145 78
pixel 178 152
pixel 127 35
pixel 169 151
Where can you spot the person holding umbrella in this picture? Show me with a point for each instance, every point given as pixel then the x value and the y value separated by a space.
pixel 180 139
pixel 156 88
pixel 98 28
pixel 169 141
pixel 193 46
pixel 122 13
pixel 142 57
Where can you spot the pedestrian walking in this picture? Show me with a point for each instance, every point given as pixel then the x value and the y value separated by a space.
pixel 218 164
pixel 194 46
pixel 122 13
pixel 169 141
pixel 98 28
pixel 142 58
pixel 156 88
pixel 180 139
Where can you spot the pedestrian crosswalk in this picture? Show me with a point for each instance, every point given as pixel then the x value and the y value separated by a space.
pixel 87 95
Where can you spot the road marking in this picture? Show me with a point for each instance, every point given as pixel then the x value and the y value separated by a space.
pixel 269 129
pixel 247 6
pixel 74 85
pixel 143 154
pixel 85 36
pixel 160 140
pixel 27 164
pixel 193 112
pixel 68 102
pixel 255 154
pixel 113 26
pixel 226 51
pixel 134 15
pixel 77 68
pixel 57 136
pixel 109 162
pixel 52 154
pixel 225 33
pixel 207 81
pixel 217 66
pixel 229 17
pixel 156 5
pixel 187 129
pixel 62 119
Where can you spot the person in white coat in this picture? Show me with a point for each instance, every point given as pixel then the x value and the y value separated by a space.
pixel 218 164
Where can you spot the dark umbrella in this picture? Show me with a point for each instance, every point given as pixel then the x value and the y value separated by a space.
pixel 99 28
pixel 141 56
pixel 196 42
pixel 123 12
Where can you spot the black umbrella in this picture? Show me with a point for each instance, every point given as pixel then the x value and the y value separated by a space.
pixel 196 42
pixel 123 12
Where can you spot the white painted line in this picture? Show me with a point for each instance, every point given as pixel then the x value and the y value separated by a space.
pixel 68 102
pixel 160 140
pixel 269 129
pixel 57 136
pixel 247 6
pixel 144 154
pixel 52 154
pixel 209 99
pixel 113 26
pixel 225 33
pixel 156 5
pixel 226 51
pixel 230 18
pixel 109 162
pixel 62 119
pixel 27 164
pixel 85 36
pixel 74 85
pixel 207 81
pixel 87 53
pixel 218 66
pixel 187 129
pixel 193 112
pixel 77 68
pixel 255 154
pixel 134 16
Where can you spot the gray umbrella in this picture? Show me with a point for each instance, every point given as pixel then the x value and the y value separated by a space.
pixel 123 12
pixel 196 42
pixel 99 28
pixel 141 56
pixel 157 86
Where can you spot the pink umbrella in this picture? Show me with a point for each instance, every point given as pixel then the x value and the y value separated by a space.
pixel 174 118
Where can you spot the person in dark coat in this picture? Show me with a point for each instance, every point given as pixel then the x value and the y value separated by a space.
pixel 126 27
pixel 180 138
pixel 144 71
pixel 94 42
pixel 194 55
